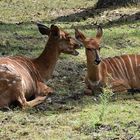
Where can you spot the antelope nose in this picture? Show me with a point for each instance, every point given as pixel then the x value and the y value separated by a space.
pixel 50 90
pixel 78 45
pixel 97 61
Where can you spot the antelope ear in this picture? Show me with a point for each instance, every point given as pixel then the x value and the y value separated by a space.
pixel 55 32
pixel 99 32
pixel 79 35
pixel 44 30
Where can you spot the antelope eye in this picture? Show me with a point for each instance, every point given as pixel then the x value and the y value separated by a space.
pixel 99 48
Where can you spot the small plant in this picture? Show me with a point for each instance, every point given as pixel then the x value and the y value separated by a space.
pixel 104 100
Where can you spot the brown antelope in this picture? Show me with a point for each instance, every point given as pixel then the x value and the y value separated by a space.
pixel 120 73
pixel 22 77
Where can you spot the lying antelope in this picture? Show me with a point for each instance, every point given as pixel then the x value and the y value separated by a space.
pixel 22 77
pixel 121 73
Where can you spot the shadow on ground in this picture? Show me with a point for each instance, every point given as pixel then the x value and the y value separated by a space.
pixel 80 15
pixel 106 17
pixel 122 20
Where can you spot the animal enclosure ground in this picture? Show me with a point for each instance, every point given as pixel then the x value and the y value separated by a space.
pixel 68 114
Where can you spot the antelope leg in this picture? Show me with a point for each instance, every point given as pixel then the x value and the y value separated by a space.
pixel 120 86
pixel 32 103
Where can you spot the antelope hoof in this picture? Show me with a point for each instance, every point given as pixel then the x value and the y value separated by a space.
pixel 50 90
pixel 88 92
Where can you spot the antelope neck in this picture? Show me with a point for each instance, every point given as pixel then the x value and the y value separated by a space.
pixel 93 70
pixel 46 62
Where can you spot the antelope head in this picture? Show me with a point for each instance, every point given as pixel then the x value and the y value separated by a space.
pixel 91 44
pixel 61 39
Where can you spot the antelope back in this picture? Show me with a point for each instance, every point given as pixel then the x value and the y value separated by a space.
pixel 22 68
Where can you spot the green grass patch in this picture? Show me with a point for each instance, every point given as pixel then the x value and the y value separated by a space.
pixel 68 115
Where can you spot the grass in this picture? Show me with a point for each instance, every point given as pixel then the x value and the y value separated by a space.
pixel 73 124
pixel 68 114
pixel 33 10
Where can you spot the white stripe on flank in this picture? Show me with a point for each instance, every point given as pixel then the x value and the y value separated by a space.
pixel 24 70
pixel 136 60
pixel 110 67
pixel 130 61
pixel 115 68
pixel 100 75
pixel 120 68
pixel 125 67
pixel 110 76
pixel 31 69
